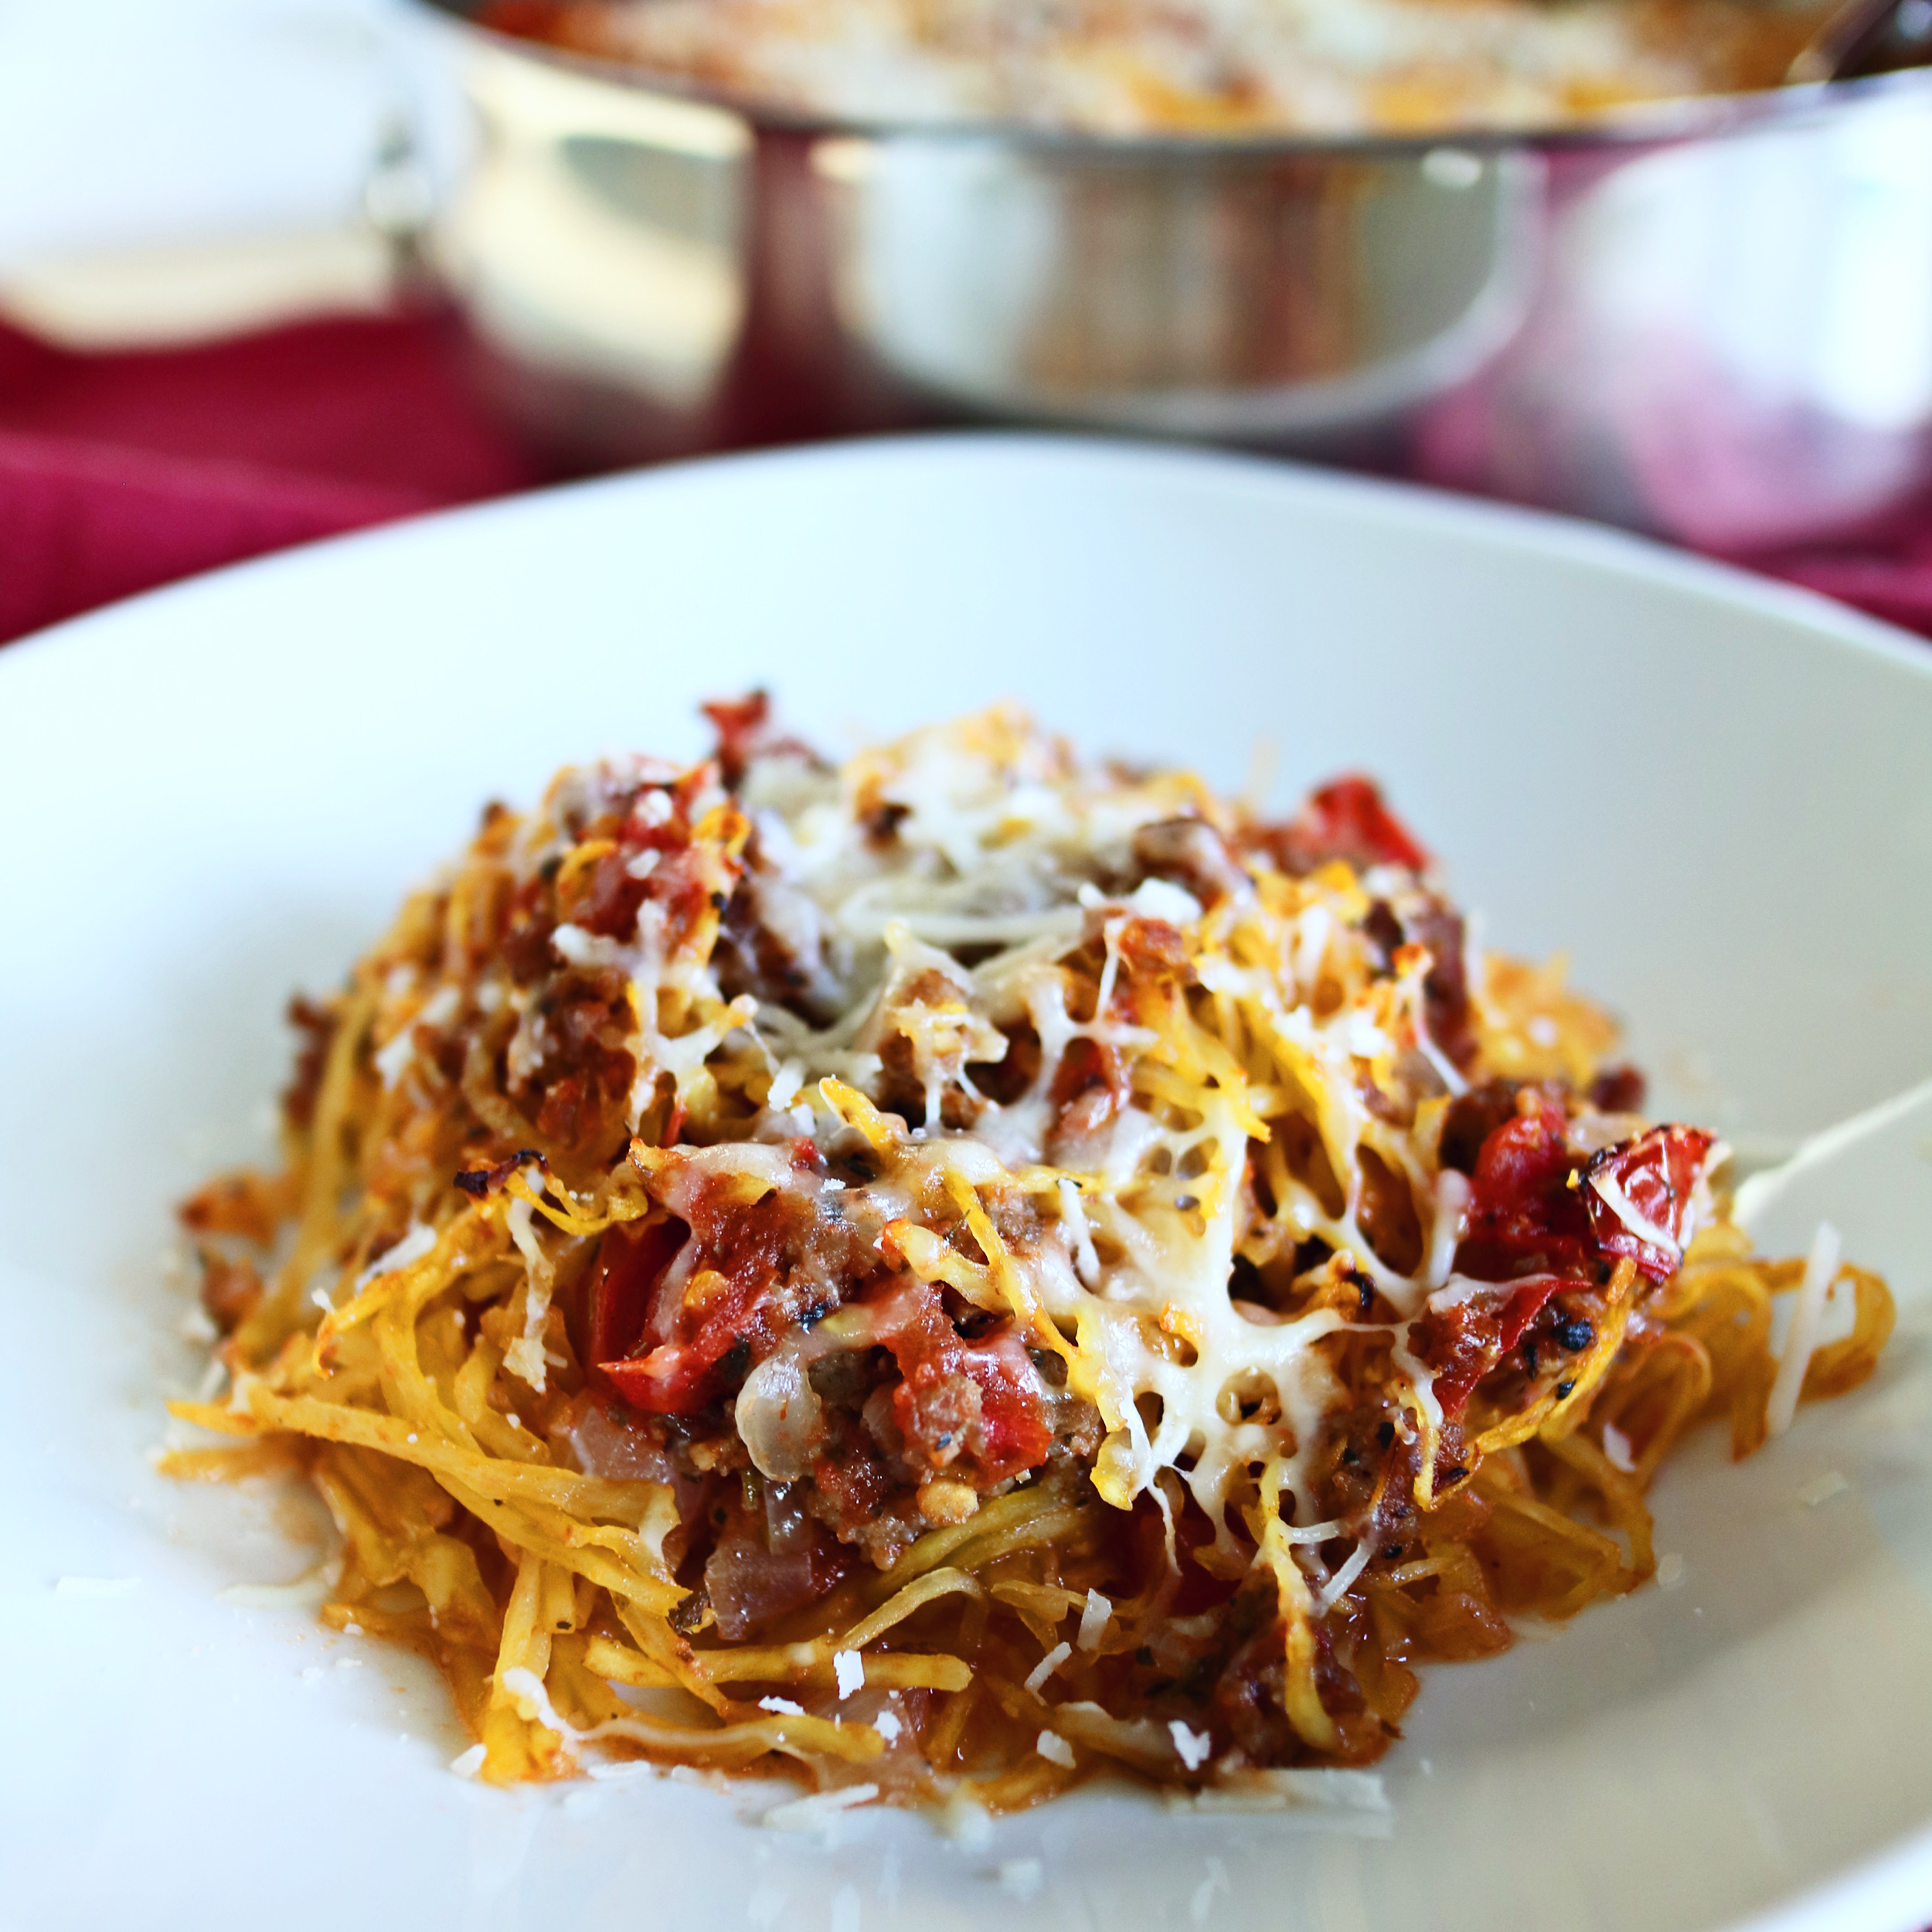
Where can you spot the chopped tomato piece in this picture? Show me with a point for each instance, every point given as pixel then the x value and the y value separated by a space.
pixel 1540 1217
pixel 1535 1204
pixel 528 19
pixel 1526 1302
pixel 1014 1432
pixel 741 725
pixel 1347 819
pixel 1525 1214
pixel 978 1402
pixel 1198 1589
pixel 1344 819
pixel 1464 1342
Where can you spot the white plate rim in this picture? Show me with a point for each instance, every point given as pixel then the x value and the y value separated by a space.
pixel 1882 1888
pixel 1503 524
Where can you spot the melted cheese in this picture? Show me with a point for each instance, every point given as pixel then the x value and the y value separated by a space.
pixel 940 897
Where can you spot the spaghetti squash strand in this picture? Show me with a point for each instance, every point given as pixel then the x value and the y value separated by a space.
pixel 949 1272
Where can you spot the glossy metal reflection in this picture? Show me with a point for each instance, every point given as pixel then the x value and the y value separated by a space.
pixel 1715 322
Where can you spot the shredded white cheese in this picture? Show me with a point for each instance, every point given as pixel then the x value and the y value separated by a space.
pixel 1821 1267
pixel 1128 1173
pixel 1343 1790
pixel 1610 1191
pixel 525 1357
pixel 1195 1747
pixel 1094 1619
pixel 1822 1488
pixel 1047 1665
pixel 416 1243
pixel 95 1587
pixel 1339 1584
pixel 1021 1878
pixel 933 945
pixel 820 1810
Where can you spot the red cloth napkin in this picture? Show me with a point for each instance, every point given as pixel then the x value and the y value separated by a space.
pixel 1894 583
pixel 120 472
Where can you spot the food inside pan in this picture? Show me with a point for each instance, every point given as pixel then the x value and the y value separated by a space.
pixel 1197 67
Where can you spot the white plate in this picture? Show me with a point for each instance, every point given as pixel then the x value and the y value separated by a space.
pixel 1712 790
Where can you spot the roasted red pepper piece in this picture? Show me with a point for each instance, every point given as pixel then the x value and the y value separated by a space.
pixel 1638 1196
pixel 624 1279
pixel 1464 1342
pixel 726 1316
pixel 673 1380
pixel 1540 1216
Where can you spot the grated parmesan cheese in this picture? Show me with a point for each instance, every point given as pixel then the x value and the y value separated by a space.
pixel 1195 1747
pixel 933 947
pixel 820 1811
pixel 1129 1077
pixel 1094 1620
pixel 1038 1675
pixel 1022 1878
pixel 95 1587
pixel 965 1820
pixel 1822 1488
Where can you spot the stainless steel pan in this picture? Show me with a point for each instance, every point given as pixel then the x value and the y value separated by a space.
pixel 1713 321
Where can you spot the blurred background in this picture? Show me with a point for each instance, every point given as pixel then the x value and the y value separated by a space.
pixel 127 128
pixel 273 269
